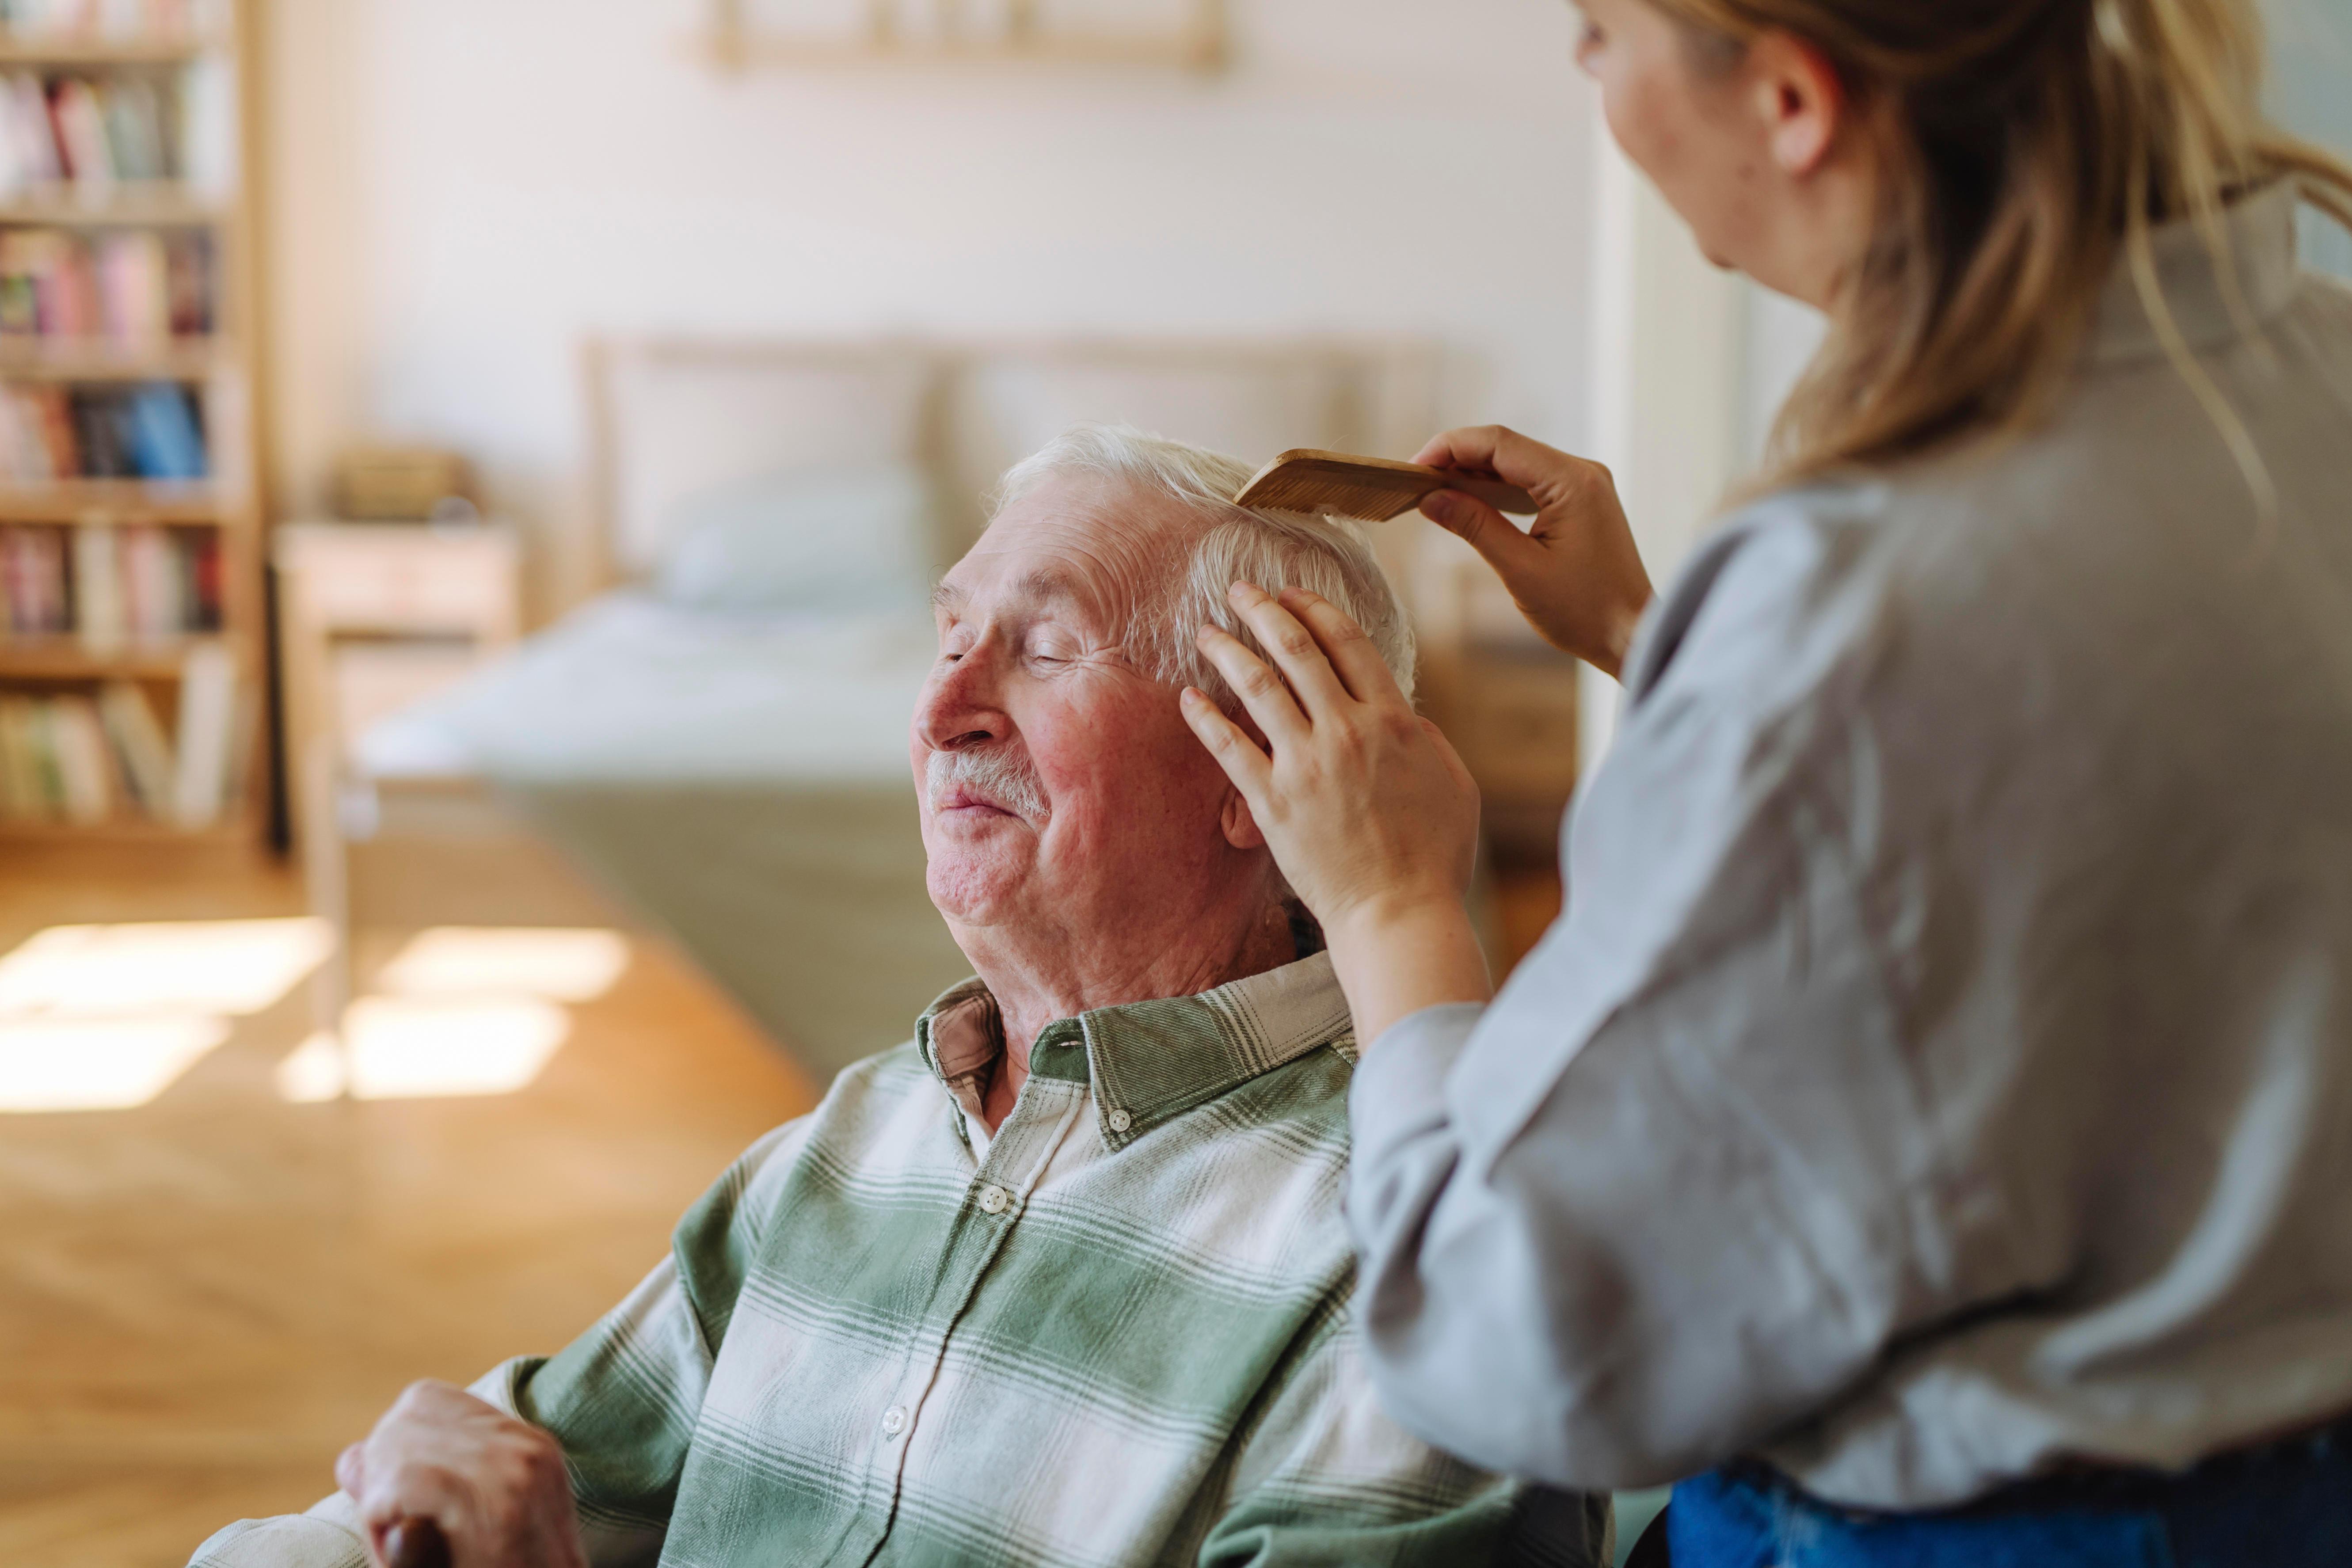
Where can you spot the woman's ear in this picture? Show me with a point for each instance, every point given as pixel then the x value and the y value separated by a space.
pixel 1239 823
pixel 1799 96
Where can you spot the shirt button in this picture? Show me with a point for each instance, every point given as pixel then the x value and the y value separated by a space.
pixel 1120 1121
pixel 894 1420
pixel 995 1200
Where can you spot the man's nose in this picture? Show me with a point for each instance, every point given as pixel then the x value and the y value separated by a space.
pixel 959 708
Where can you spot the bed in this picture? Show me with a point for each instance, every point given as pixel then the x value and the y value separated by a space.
pixel 719 737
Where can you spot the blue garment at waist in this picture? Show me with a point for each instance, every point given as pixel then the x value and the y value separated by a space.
pixel 2282 1505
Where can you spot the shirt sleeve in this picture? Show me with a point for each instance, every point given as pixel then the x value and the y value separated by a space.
pixel 1656 1201
pixel 1325 1478
pixel 623 1399
pixel 325 1537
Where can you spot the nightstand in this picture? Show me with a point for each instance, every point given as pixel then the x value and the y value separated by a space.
pixel 373 617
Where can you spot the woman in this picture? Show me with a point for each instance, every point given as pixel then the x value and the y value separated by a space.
pixel 1929 1126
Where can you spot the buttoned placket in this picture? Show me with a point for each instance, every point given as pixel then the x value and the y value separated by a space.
pixel 1024 1145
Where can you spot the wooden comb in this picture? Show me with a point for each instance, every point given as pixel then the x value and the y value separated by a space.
pixel 1370 489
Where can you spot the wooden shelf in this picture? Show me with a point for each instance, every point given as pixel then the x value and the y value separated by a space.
pixel 114 501
pixel 71 49
pixel 1020 34
pixel 76 359
pixel 231 830
pixel 165 204
pixel 70 658
pixel 1169 53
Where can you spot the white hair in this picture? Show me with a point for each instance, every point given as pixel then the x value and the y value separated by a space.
pixel 1275 550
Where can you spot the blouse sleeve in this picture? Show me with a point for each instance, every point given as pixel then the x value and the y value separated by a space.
pixel 1653 1203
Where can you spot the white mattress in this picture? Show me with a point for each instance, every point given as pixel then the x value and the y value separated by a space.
pixel 629 690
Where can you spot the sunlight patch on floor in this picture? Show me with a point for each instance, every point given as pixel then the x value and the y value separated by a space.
pixel 458 1011
pixel 99 1064
pixel 105 1017
pixel 465 960
pixel 222 968
pixel 397 1048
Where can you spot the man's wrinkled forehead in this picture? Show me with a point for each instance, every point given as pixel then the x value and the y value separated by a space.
pixel 1090 550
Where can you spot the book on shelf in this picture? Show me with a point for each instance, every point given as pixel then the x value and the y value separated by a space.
pixel 29 137
pixel 33 573
pixel 85 767
pixel 87 759
pixel 131 289
pixel 90 131
pixel 207 736
pixel 153 431
pixel 23 787
pixel 80 121
pixel 110 585
pixel 100 611
pixel 161 437
pixel 140 745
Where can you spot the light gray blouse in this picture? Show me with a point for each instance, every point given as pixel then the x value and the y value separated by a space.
pixel 1944 1066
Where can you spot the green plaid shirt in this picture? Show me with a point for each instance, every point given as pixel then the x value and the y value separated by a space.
pixel 1117 1332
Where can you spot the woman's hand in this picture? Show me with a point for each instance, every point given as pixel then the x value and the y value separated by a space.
pixel 496 1486
pixel 1575 574
pixel 1368 813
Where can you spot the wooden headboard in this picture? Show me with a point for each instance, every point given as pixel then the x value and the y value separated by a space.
pixel 671 416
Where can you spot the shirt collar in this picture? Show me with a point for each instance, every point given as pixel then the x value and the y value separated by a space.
pixel 2210 304
pixel 1149 1062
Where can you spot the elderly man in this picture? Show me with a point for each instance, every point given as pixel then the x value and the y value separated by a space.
pixel 1064 1279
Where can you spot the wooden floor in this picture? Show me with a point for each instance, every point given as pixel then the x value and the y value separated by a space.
pixel 202 1299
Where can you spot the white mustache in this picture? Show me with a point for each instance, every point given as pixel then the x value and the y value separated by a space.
pixel 1000 777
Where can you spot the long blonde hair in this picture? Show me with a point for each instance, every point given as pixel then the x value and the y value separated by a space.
pixel 2035 142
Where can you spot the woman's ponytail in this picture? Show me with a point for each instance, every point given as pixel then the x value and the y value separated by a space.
pixel 2035 143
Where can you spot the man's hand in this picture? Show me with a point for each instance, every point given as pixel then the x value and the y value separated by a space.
pixel 496 1486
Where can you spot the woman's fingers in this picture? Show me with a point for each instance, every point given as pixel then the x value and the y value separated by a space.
pixel 1494 449
pixel 1489 533
pixel 1555 479
pixel 1575 573
pixel 1245 762
pixel 1296 651
pixel 1360 668
pixel 1501 451
pixel 1262 691
pixel 1471 448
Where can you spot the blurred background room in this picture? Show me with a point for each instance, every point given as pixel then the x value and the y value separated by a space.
pixel 470 475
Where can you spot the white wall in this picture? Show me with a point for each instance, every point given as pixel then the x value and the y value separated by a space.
pixel 1779 337
pixel 1664 379
pixel 2311 94
pixel 462 190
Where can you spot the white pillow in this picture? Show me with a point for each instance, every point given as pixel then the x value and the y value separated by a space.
pixel 852 540
pixel 685 418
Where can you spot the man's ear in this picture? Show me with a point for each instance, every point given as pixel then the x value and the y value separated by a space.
pixel 1234 815
pixel 1799 96
pixel 1239 821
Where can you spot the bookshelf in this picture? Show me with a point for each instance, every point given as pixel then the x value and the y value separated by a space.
pixel 68 49
pixel 967 32
pixel 132 643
